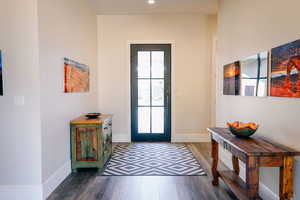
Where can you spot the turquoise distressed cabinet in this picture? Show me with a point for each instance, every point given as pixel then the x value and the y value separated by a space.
pixel 91 142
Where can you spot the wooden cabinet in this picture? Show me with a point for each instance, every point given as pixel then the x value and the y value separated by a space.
pixel 91 142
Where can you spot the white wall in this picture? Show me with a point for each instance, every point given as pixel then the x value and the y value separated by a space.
pixel 35 113
pixel 191 68
pixel 20 142
pixel 67 28
pixel 246 28
pixel 20 125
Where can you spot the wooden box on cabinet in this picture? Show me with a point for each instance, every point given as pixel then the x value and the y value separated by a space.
pixel 91 142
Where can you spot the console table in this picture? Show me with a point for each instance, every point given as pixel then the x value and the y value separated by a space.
pixel 255 152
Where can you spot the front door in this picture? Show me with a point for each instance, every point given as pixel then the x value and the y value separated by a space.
pixel 151 92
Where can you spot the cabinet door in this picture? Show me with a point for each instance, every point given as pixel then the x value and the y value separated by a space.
pixel 87 144
pixel 107 139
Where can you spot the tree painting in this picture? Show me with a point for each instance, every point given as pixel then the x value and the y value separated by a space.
pixel 285 70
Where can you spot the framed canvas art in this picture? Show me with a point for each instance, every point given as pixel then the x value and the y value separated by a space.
pixel 254 75
pixel 76 76
pixel 231 81
pixel 1 78
pixel 285 70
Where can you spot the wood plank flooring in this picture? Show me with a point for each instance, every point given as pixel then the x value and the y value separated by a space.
pixel 88 185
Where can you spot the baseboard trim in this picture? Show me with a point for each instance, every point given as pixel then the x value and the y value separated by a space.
pixel 56 179
pixel 194 137
pixel 36 192
pixel 21 192
pixel 264 191
pixel 121 138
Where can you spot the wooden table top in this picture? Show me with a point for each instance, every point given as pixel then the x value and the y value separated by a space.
pixel 84 120
pixel 253 146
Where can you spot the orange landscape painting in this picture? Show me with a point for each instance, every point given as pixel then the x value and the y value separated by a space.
pixel 231 84
pixel 76 76
pixel 285 70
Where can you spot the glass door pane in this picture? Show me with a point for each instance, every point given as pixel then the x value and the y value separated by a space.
pixel 158 64
pixel 157 120
pixel 144 120
pixel 158 92
pixel 144 92
pixel 144 64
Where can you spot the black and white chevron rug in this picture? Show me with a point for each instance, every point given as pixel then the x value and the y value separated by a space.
pixel 153 159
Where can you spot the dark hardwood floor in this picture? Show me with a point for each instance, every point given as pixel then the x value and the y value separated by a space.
pixel 88 185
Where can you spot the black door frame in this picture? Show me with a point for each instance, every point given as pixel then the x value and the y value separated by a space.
pixel 166 137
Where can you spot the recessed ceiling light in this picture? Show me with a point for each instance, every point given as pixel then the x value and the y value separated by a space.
pixel 151 1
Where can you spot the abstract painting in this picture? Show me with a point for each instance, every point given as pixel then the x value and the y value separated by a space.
pixel 76 76
pixel 285 70
pixel 254 75
pixel 1 79
pixel 231 84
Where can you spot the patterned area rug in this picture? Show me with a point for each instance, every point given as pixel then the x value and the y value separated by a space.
pixel 153 159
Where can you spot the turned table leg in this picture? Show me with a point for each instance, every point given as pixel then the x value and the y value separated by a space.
pixel 215 157
pixel 235 164
pixel 252 177
pixel 286 179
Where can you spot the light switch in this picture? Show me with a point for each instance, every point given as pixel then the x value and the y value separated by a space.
pixel 19 100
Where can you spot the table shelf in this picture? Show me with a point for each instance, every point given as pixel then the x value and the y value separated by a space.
pixel 235 184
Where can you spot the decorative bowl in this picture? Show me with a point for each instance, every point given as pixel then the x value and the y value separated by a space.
pixel 93 115
pixel 240 129
pixel 244 132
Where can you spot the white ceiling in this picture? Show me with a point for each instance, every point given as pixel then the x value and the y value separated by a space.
pixel 161 6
